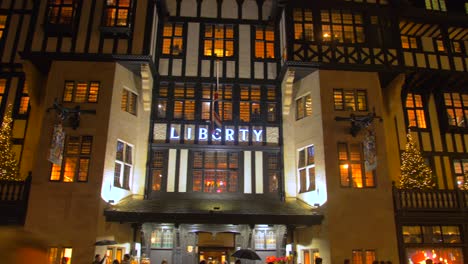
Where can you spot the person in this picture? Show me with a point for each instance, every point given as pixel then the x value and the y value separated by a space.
pixel 98 260
pixel 203 262
pixel 64 260
pixel 115 261
pixel 18 246
pixel 126 259
pixel 318 261
pixel 164 261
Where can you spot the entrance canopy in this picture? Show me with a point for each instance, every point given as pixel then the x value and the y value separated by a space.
pixel 210 211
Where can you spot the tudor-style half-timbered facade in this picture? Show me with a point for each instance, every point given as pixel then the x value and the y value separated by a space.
pixel 184 130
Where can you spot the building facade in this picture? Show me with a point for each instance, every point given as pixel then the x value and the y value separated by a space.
pixel 186 130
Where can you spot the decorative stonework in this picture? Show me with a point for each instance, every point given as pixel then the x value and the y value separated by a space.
pixel 146 86
pixel 159 132
pixel 287 88
pixel 272 135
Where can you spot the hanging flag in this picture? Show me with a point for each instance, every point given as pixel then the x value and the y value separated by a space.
pixel 370 153
pixel 215 117
pixel 57 144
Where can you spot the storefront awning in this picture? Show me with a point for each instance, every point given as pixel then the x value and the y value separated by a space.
pixel 206 211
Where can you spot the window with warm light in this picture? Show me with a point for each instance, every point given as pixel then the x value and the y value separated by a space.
pixel 460 168
pixel 415 111
pixel 350 100
pixel 273 170
pixel 409 42
pixel 249 106
pixel 123 169
pixel 158 169
pixel 161 101
pixel 3 20
pixel 61 12
pixel 351 163
pixel 129 102
pixel 3 84
pixel 458 46
pixel 306 169
pixel 439 45
pixel 265 240
pixel 366 256
pixel 342 26
pixel 117 13
pixel 436 5
pixel 22 100
pixel 271 104
pixel 184 101
pixel 303 107
pixel 431 234
pixel 456 106
pixel 162 238
pixel 215 171
pixel 81 92
pixel 75 163
pixel 303 24
pixel 264 42
pixel 218 40
pixel 173 41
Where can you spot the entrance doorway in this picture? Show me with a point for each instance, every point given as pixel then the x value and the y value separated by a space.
pixel 215 248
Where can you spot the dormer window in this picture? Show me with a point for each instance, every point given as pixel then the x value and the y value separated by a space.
pixel 116 17
pixel 61 15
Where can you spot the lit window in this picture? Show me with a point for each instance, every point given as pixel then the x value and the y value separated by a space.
pixel 457 46
pixel 129 102
pixel 81 92
pixel 250 103
pixel 415 111
pixel 264 43
pixel 59 255
pixel 409 42
pixel 303 24
pixel 303 107
pixel 350 100
pixel 3 83
pixel 460 168
pixel 158 163
pixel 215 171
pixel 161 110
pixel 3 20
pixel 436 5
pixel 117 13
pixel 436 254
pixel 265 239
pixel 360 256
pixel 456 106
pixel 351 163
pixel 22 104
pixel 123 165
pixel 342 26
pixel 439 45
pixel 306 169
pixel 173 39
pixel 61 12
pixel 184 101
pixel 75 163
pixel 218 40
pixel 273 170
pixel 431 234
pixel 162 238
pixel 271 104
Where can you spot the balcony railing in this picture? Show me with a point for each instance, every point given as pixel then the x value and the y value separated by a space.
pixel 433 200
pixel 14 201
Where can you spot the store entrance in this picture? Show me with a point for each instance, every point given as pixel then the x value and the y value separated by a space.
pixel 215 248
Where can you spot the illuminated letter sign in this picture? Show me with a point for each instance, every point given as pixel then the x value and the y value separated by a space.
pixel 228 133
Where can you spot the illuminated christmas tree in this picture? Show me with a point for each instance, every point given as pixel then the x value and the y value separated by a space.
pixel 415 173
pixel 8 165
pixel 464 185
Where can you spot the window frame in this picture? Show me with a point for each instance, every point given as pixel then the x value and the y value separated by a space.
pixel 303 21
pixel 345 165
pixel 74 90
pixel 308 165
pixel 184 98
pixel 272 171
pixel 412 43
pixel 266 239
pixel 60 27
pixel 129 102
pixel 121 181
pixel 360 256
pixel 459 171
pixel 4 26
pixel 22 101
pixel 224 39
pixel 333 25
pixel 115 20
pixel 426 237
pixel 172 36
pixel 80 156
pixel 303 106
pixel 164 238
pixel 262 43
pixel 159 169
pixel 440 5
pixel 454 120
pixel 355 107
pixel 418 106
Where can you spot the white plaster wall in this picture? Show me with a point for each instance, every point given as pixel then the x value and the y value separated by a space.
pixel 188 8
pixel 209 8
pixel 229 9
pixel 191 59
pixel 244 51
pixel 249 9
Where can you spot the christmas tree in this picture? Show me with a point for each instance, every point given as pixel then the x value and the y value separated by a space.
pixel 464 185
pixel 8 165
pixel 415 173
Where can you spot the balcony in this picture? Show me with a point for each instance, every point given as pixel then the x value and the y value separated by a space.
pixel 14 201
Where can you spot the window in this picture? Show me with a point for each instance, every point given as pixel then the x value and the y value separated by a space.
pixel 22 103
pixel 350 100
pixel 117 13
pixel 75 164
pixel 352 173
pixel 184 101
pixel 409 42
pixel 457 46
pixel 271 104
pixel 54 254
pixel 158 162
pixel 81 92
pixel 123 165
pixel 3 20
pixel 342 27
pixel 439 45
pixel 173 42
pixel 61 12
pixel 215 171
pixel 114 253
pixel 250 103
pixel 415 111
pixel 306 169
pixel 303 107
pixel 265 240
pixel 456 106
pixel 161 110
pixel 436 5
pixel 129 102
pixel 273 170
pixel 436 254
pixel 3 90
pixel 432 234
pixel 360 256
pixel 218 40
pixel 162 238
pixel 264 43
pixel 303 24
pixel 460 168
